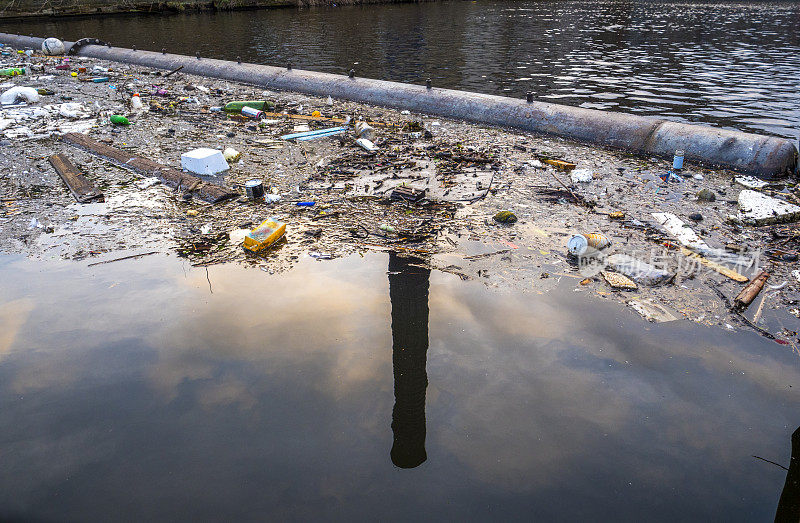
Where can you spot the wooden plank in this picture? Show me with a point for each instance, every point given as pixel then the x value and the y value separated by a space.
pixel 170 177
pixel 81 188
pixel 730 273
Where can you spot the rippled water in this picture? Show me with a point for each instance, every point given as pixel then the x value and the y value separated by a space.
pixel 731 64
pixel 372 389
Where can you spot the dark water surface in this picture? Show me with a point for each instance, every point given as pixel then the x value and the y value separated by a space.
pixel 730 64
pixel 129 391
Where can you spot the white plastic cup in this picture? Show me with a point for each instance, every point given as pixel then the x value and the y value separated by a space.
pixel 365 130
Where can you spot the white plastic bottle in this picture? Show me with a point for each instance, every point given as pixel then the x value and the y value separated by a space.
pixel 136 102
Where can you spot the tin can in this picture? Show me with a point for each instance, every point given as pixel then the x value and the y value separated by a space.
pixel 254 189
pixel 579 244
pixel 677 160
pixel 253 113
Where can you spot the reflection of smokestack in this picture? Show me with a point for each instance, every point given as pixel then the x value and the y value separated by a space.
pixel 408 291
pixel 789 505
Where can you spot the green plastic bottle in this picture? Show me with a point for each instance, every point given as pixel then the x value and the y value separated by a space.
pixel 236 106
pixel 12 71
pixel 119 120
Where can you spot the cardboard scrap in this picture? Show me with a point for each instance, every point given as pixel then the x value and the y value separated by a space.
pixel 618 281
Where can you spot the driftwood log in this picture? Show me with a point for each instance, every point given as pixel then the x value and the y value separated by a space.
pixel 751 290
pixel 81 188
pixel 169 176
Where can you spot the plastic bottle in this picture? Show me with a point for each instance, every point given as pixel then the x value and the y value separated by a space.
pixel 238 105
pixel 580 243
pixel 136 102
pixel 677 160
pixel 119 120
pixel 12 71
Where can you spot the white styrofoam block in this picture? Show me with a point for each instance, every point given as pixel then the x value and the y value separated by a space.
pixel 759 209
pixel 204 161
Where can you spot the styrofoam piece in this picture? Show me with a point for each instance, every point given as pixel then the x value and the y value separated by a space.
pixel 682 232
pixel 73 110
pixel 756 208
pixel 651 310
pixel 581 175
pixel 751 182
pixel 637 270
pixel 204 161
pixel 367 145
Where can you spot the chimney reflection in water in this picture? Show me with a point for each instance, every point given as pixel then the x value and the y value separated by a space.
pixel 408 292
pixel 789 504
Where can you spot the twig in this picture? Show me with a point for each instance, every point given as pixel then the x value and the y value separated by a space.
pixel 577 199
pixel 123 258
pixel 486 255
pixel 732 309
pixel 757 315
pixel 768 461
pixel 172 72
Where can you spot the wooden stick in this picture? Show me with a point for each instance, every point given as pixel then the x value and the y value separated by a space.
pixel 173 72
pixel 730 273
pixel 123 258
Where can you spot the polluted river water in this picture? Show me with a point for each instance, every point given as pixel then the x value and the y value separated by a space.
pixel 151 390
pixel 374 386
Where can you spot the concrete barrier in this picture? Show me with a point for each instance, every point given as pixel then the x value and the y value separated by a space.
pixel 764 156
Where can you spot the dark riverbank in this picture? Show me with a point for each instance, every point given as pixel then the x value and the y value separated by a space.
pixel 18 9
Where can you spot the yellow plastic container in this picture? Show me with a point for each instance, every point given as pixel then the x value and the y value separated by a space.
pixel 264 235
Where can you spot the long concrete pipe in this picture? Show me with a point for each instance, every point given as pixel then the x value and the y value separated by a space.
pixel 764 156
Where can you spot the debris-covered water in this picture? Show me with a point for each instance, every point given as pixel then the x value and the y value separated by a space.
pixel 151 390
pixel 152 365
pixel 732 64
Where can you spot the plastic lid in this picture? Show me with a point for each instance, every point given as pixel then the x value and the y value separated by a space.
pixel 577 245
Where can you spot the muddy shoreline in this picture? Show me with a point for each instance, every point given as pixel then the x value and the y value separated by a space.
pixel 470 174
